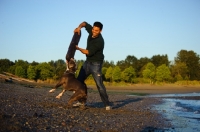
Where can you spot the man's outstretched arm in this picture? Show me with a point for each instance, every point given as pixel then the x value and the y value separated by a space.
pixel 84 51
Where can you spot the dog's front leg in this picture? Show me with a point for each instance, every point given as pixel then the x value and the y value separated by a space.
pixel 60 83
pixel 59 95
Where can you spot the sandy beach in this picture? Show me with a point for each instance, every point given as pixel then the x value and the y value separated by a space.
pixel 29 108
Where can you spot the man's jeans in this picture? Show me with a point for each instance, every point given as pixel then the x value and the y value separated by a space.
pixel 94 68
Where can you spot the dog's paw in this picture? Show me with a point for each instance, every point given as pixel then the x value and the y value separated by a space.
pixel 52 90
pixel 57 97
pixel 83 108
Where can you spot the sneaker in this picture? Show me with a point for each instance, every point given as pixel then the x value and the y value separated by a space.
pixel 108 108
pixel 78 104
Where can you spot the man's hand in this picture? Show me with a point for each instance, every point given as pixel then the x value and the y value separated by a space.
pixel 77 30
pixel 77 47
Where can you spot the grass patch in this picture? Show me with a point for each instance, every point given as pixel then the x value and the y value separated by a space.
pixel 193 83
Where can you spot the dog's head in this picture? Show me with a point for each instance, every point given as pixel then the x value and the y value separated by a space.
pixel 72 65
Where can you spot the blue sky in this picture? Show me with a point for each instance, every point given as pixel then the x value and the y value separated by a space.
pixel 41 30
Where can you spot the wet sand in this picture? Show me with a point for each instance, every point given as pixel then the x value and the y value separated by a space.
pixel 25 108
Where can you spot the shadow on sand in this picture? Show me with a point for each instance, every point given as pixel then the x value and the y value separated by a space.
pixel 115 104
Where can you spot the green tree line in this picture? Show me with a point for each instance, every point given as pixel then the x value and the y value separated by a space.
pixel 186 66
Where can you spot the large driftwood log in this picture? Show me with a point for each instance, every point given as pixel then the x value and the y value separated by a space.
pixel 9 77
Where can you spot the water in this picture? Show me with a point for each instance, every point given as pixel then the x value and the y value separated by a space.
pixel 183 113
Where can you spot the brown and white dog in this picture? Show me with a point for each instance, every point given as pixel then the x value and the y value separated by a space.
pixel 70 83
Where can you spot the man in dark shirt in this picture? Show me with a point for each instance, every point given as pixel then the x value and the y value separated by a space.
pixel 94 58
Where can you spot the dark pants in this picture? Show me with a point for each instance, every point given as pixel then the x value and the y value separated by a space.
pixel 94 68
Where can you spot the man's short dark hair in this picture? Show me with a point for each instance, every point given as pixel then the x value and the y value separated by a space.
pixel 98 24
